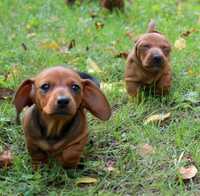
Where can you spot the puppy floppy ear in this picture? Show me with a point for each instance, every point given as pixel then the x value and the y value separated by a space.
pixel 23 97
pixel 84 75
pixel 136 56
pixel 95 101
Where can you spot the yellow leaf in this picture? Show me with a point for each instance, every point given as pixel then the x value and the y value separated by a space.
pixel 145 150
pixel 180 44
pixel 92 66
pixel 50 45
pixel 157 118
pixel 86 180
pixel 188 172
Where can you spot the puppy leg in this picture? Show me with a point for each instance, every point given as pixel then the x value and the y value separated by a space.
pixel 164 84
pixel 132 88
pixel 38 156
pixel 70 157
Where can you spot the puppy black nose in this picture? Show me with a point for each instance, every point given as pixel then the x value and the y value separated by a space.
pixel 63 100
pixel 157 59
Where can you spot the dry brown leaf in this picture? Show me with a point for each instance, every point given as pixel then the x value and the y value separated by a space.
pixel 92 66
pixel 24 46
pixel 188 172
pixel 99 25
pixel 110 165
pixel 93 14
pixel 145 150
pixel 188 32
pixel 157 118
pixel 122 55
pixel 6 93
pixel 71 44
pixel 180 43
pixel 86 181
pixel 5 158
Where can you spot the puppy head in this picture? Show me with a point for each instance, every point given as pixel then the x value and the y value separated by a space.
pixel 59 92
pixel 153 50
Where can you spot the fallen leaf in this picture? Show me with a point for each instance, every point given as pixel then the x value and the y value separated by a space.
pixel 99 25
pixel 157 118
pixel 24 46
pixel 66 49
pixel 93 14
pixel 5 158
pixel 92 66
pixel 180 43
pixel 72 44
pixel 145 150
pixel 122 55
pixel 6 93
pixel 188 32
pixel 50 45
pixel 188 172
pixel 85 181
pixel 110 165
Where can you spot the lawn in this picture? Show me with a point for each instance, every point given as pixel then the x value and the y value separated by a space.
pixel 35 34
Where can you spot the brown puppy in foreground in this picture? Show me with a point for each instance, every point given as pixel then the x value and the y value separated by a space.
pixel 55 123
pixel 148 64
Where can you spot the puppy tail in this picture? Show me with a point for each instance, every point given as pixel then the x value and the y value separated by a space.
pixel 151 26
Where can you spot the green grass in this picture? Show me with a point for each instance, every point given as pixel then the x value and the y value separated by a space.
pixel 36 22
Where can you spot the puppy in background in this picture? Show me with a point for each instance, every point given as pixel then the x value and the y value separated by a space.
pixel 108 4
pixel 112 4
pixel 148 64
pixel 55 123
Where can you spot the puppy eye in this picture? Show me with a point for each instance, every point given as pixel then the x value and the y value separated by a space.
pixel 45 87
pixel 166 50
pixel 146 46
pixel 76 88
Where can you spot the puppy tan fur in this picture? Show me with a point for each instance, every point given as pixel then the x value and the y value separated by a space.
pixel 148 64
pixel 55 123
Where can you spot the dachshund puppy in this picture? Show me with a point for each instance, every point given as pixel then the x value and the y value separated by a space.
pixel 148 64
pixel 55 122
pixel 111 4
pixel 70 2
pixel 108 4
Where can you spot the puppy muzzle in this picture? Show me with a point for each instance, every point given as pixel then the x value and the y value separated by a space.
pixel 155 60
